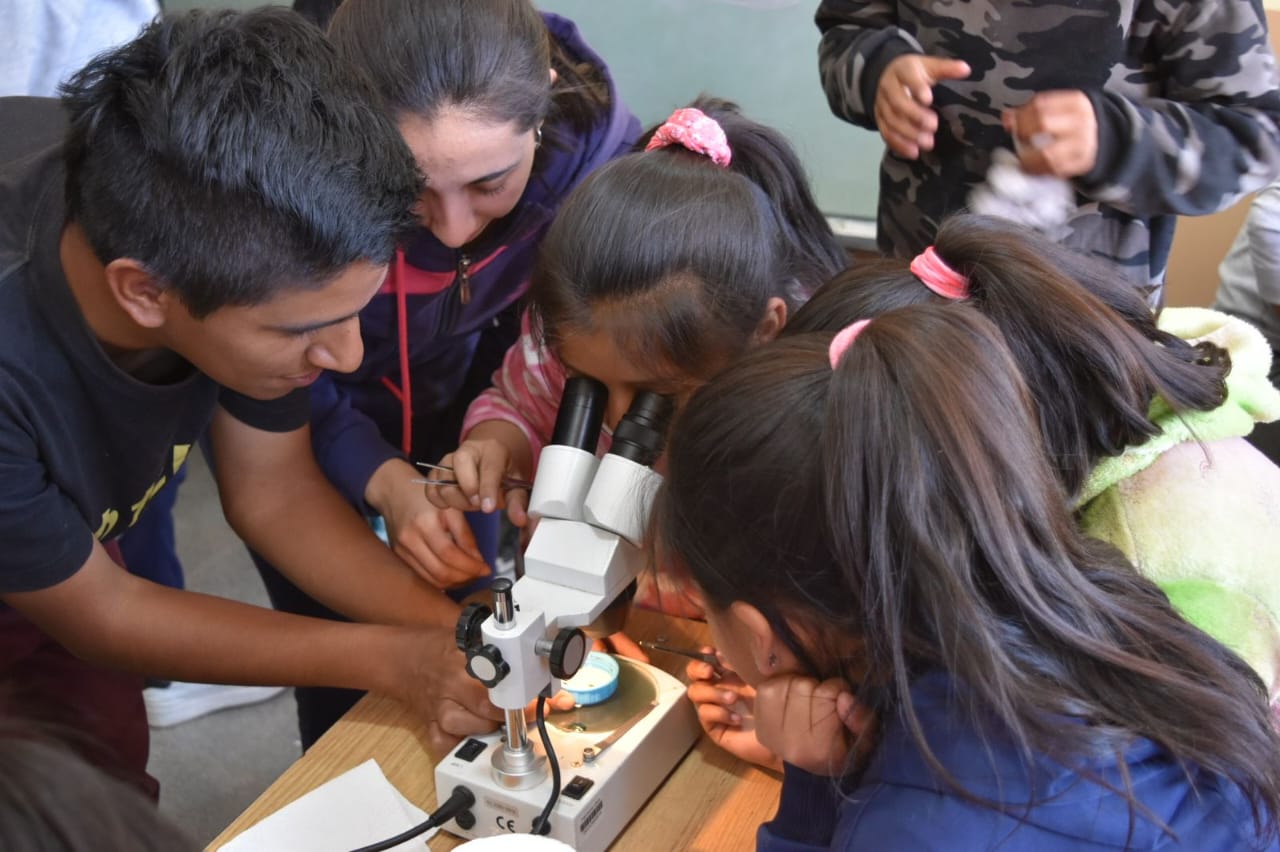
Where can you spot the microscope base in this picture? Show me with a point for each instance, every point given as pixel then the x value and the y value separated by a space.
pixel 658 728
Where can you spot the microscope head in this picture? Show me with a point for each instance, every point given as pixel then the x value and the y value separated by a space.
pixel 591 512
pixel 587 547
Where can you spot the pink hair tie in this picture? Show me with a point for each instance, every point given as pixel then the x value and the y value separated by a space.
pixel 693 129
pixel 934 273
pixel 843 340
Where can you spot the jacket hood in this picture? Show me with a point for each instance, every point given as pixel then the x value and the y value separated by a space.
pixel 560 168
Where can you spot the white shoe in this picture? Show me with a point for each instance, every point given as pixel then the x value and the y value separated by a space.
pixel 181 702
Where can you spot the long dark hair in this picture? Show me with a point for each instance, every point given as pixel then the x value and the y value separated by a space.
pixel 689 251
pixel 1083 337
pixel 901 506
pixel 491 58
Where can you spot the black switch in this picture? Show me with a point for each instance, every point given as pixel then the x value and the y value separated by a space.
pixel 577 788
pixel 470 750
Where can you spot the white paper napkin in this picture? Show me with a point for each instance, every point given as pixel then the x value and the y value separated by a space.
pixel 357 808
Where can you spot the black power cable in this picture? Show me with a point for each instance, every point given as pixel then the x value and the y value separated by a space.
pixel 460 800
pixel 542 823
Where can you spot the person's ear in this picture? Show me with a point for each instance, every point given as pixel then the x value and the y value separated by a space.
pixel 769 653
pixel 775 317
pixel 137 292
pixel 554 76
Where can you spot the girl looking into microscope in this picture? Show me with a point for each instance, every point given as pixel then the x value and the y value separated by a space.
pixel 942 659
pixel 1143 422
pixel 661 268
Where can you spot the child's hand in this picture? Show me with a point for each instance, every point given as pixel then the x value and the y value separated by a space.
pixel 812 725
pixel 904 97
pixel 437 543
pixel 479 466
pixel 726 712
pixel 1055 133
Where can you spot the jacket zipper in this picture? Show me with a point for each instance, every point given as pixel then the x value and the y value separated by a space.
pixel 464 280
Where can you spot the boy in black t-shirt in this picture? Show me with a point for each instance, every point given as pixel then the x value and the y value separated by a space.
pixel 190 254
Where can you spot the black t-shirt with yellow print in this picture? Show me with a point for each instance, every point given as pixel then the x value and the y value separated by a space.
pixel 84 446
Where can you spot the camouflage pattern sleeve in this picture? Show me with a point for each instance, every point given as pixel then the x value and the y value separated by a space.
pixel 858 40
pixel 1210 133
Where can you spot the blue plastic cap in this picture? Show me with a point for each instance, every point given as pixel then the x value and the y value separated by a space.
pixel 596 681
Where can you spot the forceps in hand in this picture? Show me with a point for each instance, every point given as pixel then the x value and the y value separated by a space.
pixel 508 482
pixel 692 653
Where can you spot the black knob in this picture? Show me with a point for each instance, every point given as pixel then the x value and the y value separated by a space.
pixel 486 665
pixel 467 632
pixel 567 652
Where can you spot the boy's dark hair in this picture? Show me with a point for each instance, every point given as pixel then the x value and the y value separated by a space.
pixel 896 515
pixel 1083 337
pixel 490 58
pixel 688 252
pixel 234 155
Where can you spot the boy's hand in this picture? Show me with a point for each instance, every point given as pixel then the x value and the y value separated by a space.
pixel 1055 133
pixel 812 725
pixel 726 711
pixel 435 683
pixel 904 98
pixel 437 543
pixel 479 466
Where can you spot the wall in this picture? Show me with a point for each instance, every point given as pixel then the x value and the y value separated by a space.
pixel 1201 242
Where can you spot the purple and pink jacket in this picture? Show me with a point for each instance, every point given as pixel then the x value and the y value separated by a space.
pixel 452 344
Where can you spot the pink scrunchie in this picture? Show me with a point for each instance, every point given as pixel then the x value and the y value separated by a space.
pixel 693 129
pixel 935 274
pixel 843 340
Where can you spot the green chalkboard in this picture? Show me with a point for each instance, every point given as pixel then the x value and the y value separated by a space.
pixel 760 53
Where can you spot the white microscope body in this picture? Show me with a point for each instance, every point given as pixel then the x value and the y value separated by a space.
pixel 585 552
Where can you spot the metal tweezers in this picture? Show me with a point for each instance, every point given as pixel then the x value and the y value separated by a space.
pixel 508 482
pixel 692 653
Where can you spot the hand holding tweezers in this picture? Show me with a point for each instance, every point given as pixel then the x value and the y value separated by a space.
pixel 692 653
pixel 508 482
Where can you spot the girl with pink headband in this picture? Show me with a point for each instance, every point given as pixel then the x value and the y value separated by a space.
pixel 661 268
pixel 942 659
pixel 1143 422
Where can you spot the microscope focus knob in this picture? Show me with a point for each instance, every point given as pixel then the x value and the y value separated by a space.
pixel 567 652
pixel 486 665
pixel 467 632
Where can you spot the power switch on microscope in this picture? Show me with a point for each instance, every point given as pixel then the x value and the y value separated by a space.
pixel 470 750
pixel 577 788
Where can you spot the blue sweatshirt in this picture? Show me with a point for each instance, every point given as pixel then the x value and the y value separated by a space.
pixel 453 345
pixel 898 803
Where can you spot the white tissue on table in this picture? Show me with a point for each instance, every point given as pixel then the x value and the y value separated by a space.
pixel 358 808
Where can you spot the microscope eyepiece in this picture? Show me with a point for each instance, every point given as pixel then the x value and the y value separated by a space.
pixel 581 413
pixel 642 433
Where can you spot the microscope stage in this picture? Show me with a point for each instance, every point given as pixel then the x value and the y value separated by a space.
pixel 612 755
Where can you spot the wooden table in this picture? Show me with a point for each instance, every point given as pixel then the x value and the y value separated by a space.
pixel 711 801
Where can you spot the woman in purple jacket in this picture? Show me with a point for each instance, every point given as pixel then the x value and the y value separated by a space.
pixel 505 110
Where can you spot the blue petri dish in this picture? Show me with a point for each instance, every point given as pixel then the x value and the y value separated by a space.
pixel 595 682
